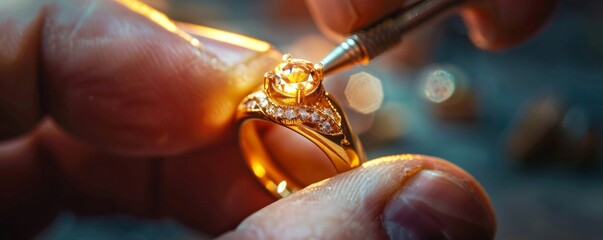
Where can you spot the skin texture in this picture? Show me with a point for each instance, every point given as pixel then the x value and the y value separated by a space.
pixel 108 107
pixel 349 206
pixel 492 24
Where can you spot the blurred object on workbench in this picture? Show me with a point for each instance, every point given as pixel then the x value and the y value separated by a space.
pixel 388 126
pixel 545 132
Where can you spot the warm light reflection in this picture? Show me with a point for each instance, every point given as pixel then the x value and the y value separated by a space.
pixel 258 169
pixel 270 185
pixel 282 190
pixel 158 18
pixel 228 37
pixel 151 13
pixel 391 159
pixel 282 186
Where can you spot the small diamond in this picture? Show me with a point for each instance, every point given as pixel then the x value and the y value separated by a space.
pixel 250 103
pixel 263 102
pixel 290 114
pixel 260 95
pixel 270 110
pixel 303 113
pixel 315 117
pixel 279 112
pixel 325 126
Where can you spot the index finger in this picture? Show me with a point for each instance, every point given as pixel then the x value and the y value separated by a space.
pixel 124 77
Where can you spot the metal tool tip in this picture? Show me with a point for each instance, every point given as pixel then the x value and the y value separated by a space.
pixel 346 54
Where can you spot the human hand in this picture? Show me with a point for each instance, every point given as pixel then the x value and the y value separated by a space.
pixel 121 111
pixel 492 24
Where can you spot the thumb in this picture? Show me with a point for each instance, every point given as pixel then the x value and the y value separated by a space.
pixel 402 197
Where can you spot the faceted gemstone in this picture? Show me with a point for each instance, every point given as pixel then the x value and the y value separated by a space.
pixel 263 102
pixel 315 117
pixel 270 110
pixel 325 126
pixel 293 75
pixel 290 114
pixel 260 95
pixel 279 112
pixel 250 104
pixel 303 113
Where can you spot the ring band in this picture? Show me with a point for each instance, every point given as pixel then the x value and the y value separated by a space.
pixel 293 96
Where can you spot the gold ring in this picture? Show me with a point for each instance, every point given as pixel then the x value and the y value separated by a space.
pixel 293 96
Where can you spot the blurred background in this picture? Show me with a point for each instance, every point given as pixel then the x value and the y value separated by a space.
pixel 525 122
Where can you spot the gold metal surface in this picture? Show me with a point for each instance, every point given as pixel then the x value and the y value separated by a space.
pixel 314 115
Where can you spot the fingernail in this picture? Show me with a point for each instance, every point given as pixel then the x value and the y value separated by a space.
pixel 433 205
pixel 333 16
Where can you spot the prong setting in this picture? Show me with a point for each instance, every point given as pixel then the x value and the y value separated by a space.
pixel 318 67
pixel 269 74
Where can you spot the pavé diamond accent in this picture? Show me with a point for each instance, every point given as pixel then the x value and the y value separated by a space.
pixel 270 110
pixel 315 117
pixel 303 113
pixel 250 103
pixel 325 126
pixel 279 112
pixel 263 102
pixel 290 114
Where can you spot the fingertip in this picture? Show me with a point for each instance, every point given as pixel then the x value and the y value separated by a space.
pixel 397 196
pixel 499 24
pixel 20 109
pixel 439 203
pixel 333 18
pixel 125 78
pixel 340 17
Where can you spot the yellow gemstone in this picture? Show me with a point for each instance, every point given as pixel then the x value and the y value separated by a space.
pixel 295 75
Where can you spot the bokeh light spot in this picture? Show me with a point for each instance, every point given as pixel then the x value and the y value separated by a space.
pixel 439 85
pixel 364 93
